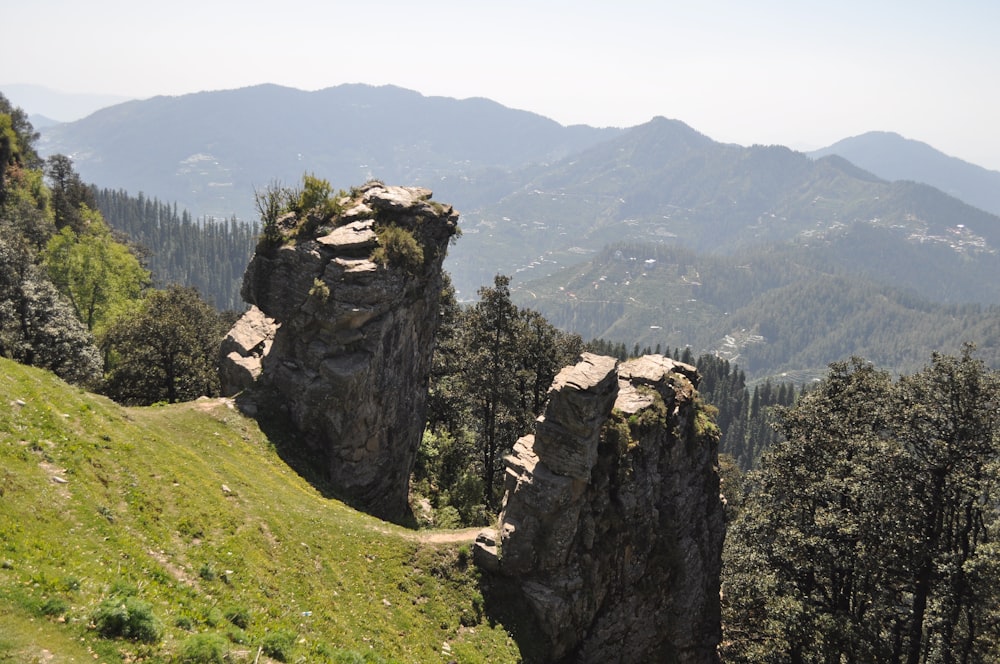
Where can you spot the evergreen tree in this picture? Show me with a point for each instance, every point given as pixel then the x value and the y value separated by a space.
pixel 492 335
pixel 493 365
pixel 69 194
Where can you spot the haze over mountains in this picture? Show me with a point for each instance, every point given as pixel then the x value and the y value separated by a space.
pixel 47 107
pixel 209 151
pixel 537 197
pixel 892 157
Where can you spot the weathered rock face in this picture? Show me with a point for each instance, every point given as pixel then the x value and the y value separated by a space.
pixel 351 353
pixel 612 523
pixel 243 350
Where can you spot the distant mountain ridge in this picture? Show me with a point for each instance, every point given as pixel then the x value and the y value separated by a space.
pixel 893 157
pixel 665 182
pixel 53 106
pixel 538 199
pixel 209 151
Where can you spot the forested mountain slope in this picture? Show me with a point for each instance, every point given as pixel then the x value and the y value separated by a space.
pixel 780 310
pixel 207 254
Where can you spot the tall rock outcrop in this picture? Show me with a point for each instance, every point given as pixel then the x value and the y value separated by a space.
pixel 355 301
pixel 612 523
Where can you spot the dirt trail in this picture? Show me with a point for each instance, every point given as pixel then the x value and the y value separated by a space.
pixel 433 536
pixel 447 536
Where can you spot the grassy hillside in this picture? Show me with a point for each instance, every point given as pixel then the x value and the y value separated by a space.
pixel 188 513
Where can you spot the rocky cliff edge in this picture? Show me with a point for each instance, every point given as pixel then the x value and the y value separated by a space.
pixel 612 523
pixel 342 331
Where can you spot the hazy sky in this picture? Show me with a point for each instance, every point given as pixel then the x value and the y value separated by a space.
pixel 795 72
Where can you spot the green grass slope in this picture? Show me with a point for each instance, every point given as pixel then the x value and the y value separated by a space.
pixel 188 511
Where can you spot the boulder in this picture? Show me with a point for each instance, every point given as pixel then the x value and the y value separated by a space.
pixel 243 349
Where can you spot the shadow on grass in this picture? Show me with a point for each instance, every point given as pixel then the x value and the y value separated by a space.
pixel 305 459
pixel 505 604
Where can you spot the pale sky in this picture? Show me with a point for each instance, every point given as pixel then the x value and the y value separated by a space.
pixel 799 73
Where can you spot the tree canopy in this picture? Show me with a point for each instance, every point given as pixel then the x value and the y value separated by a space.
pixel 868 534
pixel 167 351
pixel 101 277
pixel 493 365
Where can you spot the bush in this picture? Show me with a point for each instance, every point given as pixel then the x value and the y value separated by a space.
pixel 184 622
pixel 397 246
pixel 278 644
pixel 238 615
pixel 237 635
pixel 127 618
pixel 203 649
pixel 54 606
pixel 271 203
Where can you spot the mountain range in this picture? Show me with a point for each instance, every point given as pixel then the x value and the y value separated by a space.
pixel 892 157
pixel 210 151
pixel 47 107
pixel 552 205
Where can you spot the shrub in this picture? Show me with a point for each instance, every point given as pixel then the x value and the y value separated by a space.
pixel 203 649
pixel 127 618
pixel 238 615
pixel 184 622
pixel 278 644
pixel 237 635
pixel 212 617
pixel 397 246
pixel 54 606
pixel 271 204
pixel 315 193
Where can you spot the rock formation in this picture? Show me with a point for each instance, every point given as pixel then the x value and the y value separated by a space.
pixel 612 523
pixel 243 350
pixel 354 299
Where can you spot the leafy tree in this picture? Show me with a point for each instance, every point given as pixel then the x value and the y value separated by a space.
pixel 38 327
pixel 100 276
pixel 24 133
pixel 25 213
pixel 949 420
pixel 867 533
pixel 166 352
pixel 17 138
